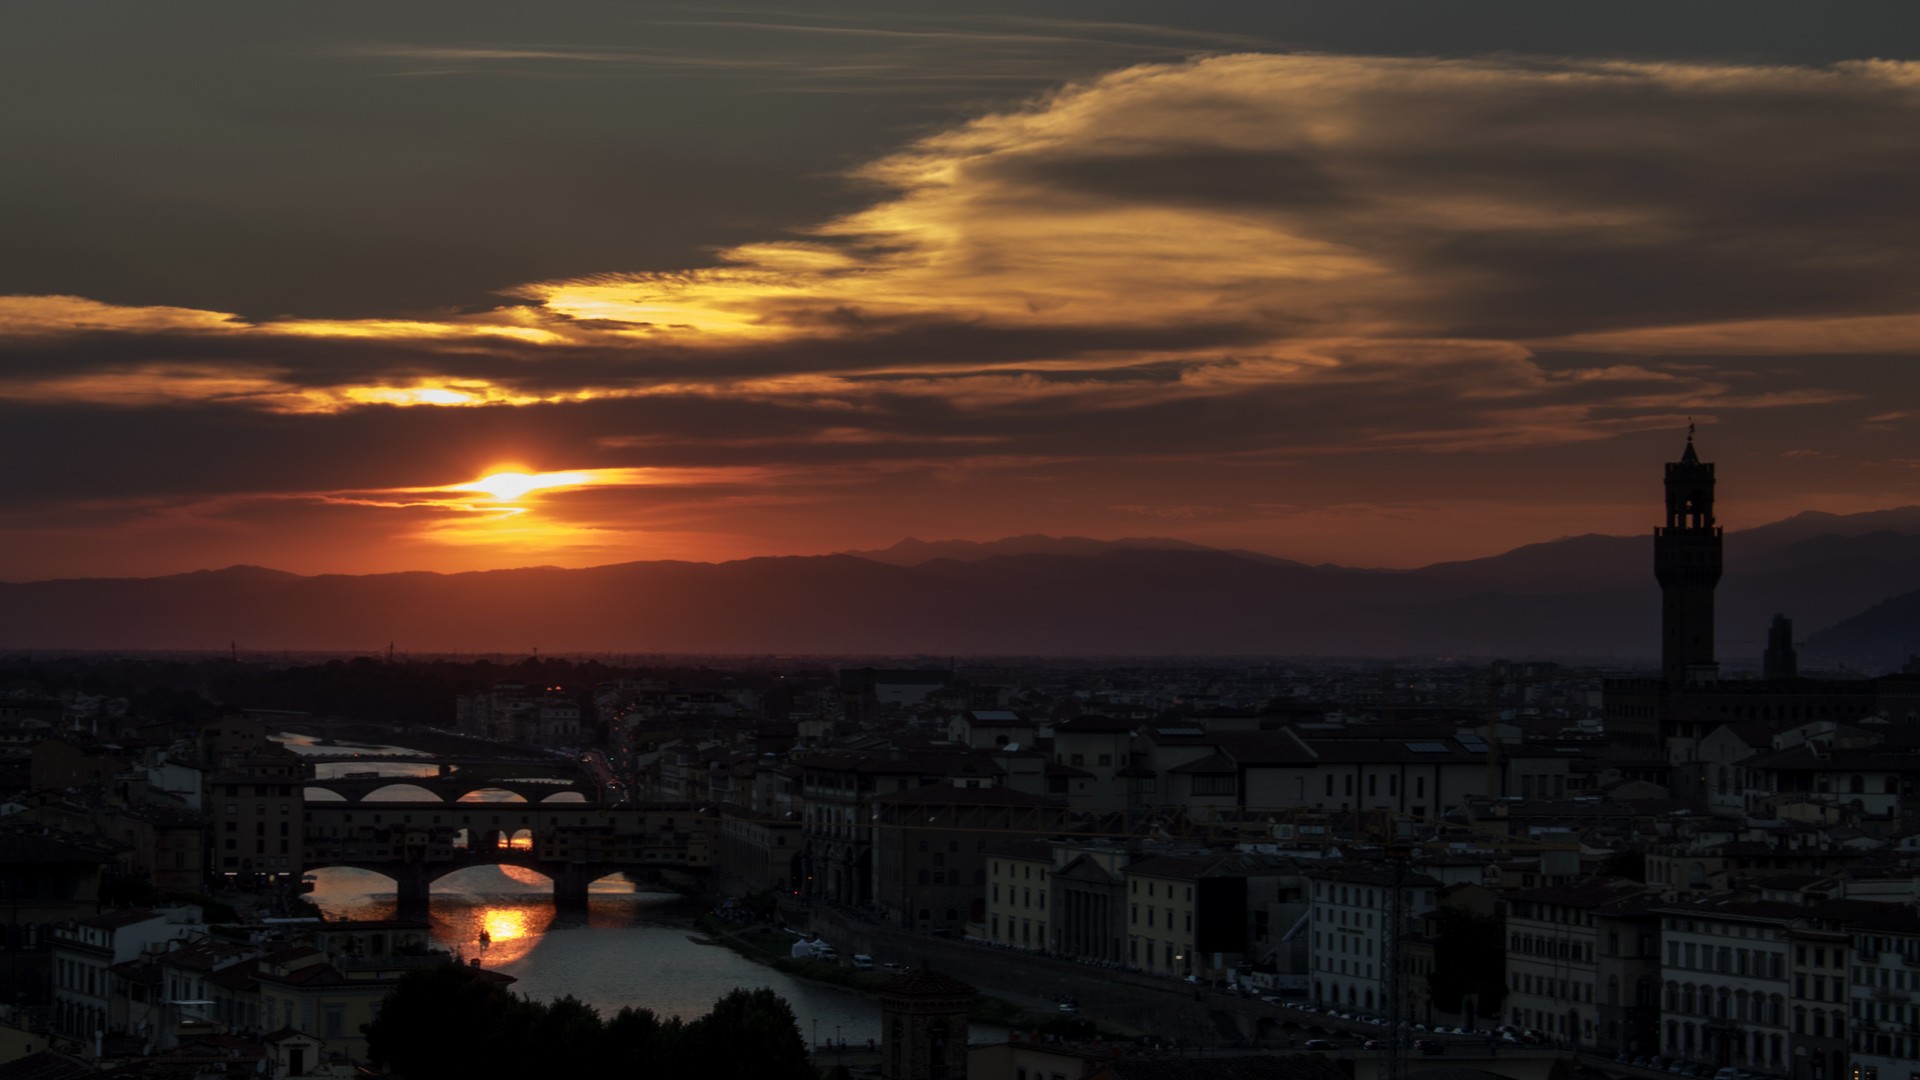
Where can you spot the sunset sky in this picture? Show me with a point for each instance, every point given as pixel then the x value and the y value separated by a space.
pixel 1374 283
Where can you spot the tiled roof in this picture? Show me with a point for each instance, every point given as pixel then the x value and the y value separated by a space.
pixel 114 920
pixel 1031 850
pixel 947 793
pixel 1362 873
pixel 1093 725
pixel 1590 895
pixel 1194 867
pixel 1871 915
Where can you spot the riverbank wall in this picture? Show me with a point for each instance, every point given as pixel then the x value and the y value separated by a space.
pixel 1161 1008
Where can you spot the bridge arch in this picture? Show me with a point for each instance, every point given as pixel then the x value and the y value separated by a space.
pixel 401 790
pixel 482 793
pixel 575 843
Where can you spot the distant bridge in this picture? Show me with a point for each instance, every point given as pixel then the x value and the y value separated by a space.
pixel 453 788
pixel 417 843
pixel 455 760
pixel 533 779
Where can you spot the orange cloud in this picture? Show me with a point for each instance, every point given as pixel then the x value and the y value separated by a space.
pixel 1241 262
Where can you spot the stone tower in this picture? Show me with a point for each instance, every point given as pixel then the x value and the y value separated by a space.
pixel 1686 562
pixel 923 1024
pixel 1780 661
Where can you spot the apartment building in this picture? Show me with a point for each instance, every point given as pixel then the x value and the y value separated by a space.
pixel 1726 981
pixel 1581 963
pixel 256 805
pixel 836 793
pixel 85 952
pixel 1351 905
pixel 929 854
pixel 1019 882
pixel 1819 967
pixel 1883 961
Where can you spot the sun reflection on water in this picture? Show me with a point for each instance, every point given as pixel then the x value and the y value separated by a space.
pixel 630 949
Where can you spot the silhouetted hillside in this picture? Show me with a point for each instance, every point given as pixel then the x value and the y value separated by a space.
pixel 1883 636
pixel 1587 596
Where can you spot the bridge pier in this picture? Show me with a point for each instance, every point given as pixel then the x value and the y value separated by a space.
pixel 415 893
pixel 570 887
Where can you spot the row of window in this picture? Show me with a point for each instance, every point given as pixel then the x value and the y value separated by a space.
pixel 1373 785
pixel 1551 948
pixel 1133 917
pixel 1345 942
pixel 1726 960
pixel 260 828
pixel 952 877
pixel 1721 1003
pixel 1886 978
pixel 1721 929
pixel 1574 990
pixel 1756 1048
pixel 1340 965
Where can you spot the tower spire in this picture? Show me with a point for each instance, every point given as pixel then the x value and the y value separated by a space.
pixel 1686 561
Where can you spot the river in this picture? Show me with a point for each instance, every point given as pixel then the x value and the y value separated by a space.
pixel 631 949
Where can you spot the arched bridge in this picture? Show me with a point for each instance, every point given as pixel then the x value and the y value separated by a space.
pixel 532 779
pixel 457 786
pixel 417 843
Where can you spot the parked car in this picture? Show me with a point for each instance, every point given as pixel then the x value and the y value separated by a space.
pixel 1318 1044
pixel 1430 1046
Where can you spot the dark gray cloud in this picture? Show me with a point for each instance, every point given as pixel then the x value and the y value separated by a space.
pixel 965 272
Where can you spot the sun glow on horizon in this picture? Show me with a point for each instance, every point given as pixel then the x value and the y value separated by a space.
pixel 512 485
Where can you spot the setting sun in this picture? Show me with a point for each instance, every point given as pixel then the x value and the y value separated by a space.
pixel 510 486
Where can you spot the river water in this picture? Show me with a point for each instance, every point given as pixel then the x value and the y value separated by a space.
pixel 632 948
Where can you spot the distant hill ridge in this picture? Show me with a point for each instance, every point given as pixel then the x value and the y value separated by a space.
pixel 1579 597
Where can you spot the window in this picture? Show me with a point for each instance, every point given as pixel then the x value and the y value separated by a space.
pixel 1217 785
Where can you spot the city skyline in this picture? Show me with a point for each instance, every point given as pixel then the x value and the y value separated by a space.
pixel 396 291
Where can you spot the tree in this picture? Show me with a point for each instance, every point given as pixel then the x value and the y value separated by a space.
pixel 447 1021
pixel 750 1035
pixel 1469 960
pixel 457 1022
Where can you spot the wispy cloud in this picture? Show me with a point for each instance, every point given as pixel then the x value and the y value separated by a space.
pixel 1251 260
pixel 824 51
